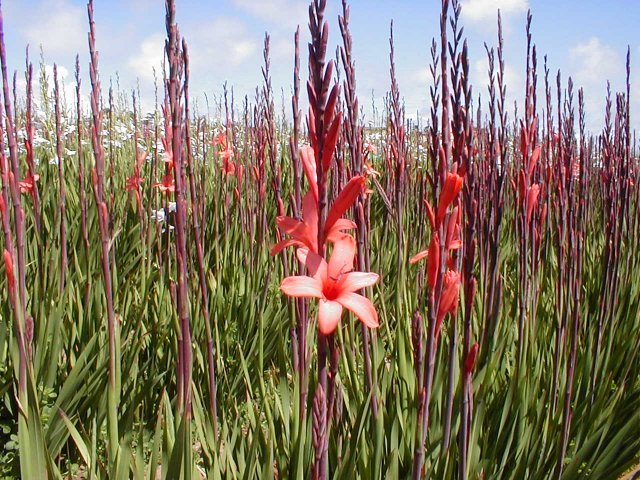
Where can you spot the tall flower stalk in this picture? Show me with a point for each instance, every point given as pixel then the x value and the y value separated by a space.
pixel 113 389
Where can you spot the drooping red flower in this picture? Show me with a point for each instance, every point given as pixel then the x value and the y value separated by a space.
pixel 334 284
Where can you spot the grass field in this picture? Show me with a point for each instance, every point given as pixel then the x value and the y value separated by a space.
pixel 239 292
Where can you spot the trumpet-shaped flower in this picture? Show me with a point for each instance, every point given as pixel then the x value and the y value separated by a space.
pixel 450 190
pixel 432 254
pixel 304 233
pixel 449 298
pixel 334 285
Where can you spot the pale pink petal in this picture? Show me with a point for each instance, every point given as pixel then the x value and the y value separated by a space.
pixel 315 264
pixel 341 261
pixel 310 219
pixel 309 164
pixel 301 286
pixel 329 313
pixel 354 281
pixel 361 307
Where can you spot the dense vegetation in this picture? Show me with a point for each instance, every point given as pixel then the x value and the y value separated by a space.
pixel 144 332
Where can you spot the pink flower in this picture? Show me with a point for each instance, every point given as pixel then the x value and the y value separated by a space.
pixel 304 233
pixel 334 284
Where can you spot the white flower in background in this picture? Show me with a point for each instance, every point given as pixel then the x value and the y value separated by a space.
pixel 69 153
pixel 158 215
pixel 39 141
pixel 172 207
pixel 54 161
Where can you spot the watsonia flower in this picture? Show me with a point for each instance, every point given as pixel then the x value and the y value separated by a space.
pixel 304 233
pixel 334 285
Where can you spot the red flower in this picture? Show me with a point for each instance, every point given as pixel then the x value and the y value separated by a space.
pixel 369 148
pixel 433 262
pixel 135 181
pixel 167 185
pixel 28 184
pixel 334 284
pixel 220 140
pixel 227 153
pixel 450 190
pixel 532 200
pixel 453 240
pixel 304 232
pixel 449 298
pixel 228 168
pixel 8 267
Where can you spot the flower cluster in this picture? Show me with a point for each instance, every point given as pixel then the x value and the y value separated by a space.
pixel 333 283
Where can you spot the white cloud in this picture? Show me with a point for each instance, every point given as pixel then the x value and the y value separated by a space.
pixel 593 63
pixel 221 43
pixel 280 13
pixel 149 56
pixel 58 25
pixel 484 12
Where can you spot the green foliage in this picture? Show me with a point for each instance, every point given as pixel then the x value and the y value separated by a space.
pixel 515 432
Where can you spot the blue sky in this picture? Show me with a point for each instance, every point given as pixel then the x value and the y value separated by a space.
pixel 585 39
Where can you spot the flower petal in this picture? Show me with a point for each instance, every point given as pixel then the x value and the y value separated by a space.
pixel 354 281
pixel 282 244
pixel 309 164
pixel 361 307
pixel 315 264
pixel 419 256
pixel 301 286
pixel 287 224
pixel 336 230
pixel 450 190
pixel 344 200
pixel 341 261
pixel 329 313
